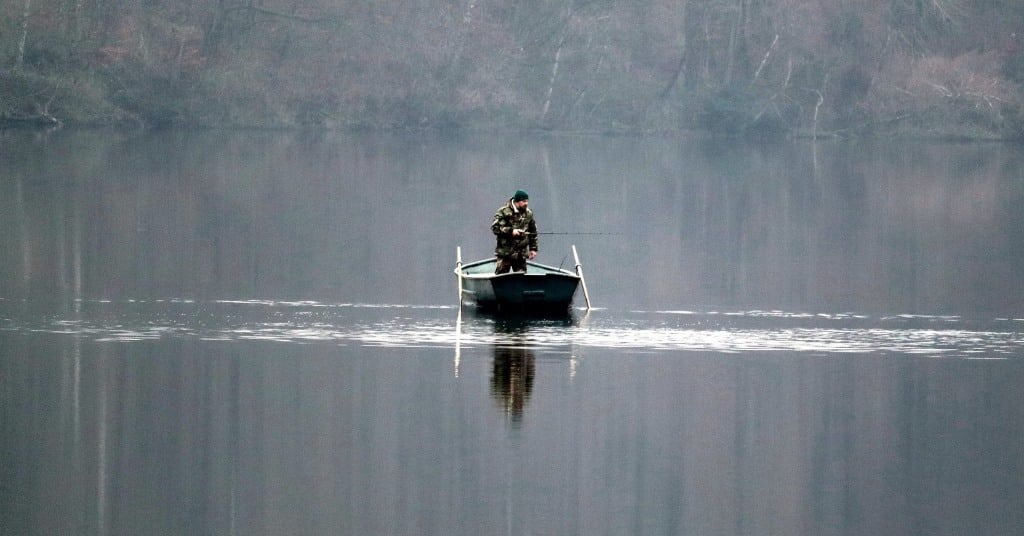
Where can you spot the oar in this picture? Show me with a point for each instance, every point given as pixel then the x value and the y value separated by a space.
pixel 458 270
pixel 458 339
pixel 579 272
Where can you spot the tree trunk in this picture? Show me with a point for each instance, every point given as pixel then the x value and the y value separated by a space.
pixel 682 50
pixel 19 60
pixel 706 62
pixel 764 60
pixel 814 121
pixel 551 82
pixel 730 58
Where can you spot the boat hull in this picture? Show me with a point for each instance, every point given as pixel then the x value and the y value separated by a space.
pixel 540 289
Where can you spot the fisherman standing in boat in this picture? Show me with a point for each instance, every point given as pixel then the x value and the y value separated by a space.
pixel 516 232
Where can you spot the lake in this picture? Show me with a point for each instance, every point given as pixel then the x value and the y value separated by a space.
pixel 259 333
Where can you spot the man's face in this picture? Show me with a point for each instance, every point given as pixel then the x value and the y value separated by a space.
pixel 522 204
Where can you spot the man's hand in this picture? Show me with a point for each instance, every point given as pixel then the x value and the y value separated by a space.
pixel 517 232
pixel 532 254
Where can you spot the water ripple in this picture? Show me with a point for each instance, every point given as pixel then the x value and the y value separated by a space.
pixel 410 326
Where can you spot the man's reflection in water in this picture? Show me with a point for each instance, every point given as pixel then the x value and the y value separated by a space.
pixel 512 378
pixel 514 361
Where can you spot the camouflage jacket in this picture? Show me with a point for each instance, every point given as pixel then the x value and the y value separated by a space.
pixel 508 218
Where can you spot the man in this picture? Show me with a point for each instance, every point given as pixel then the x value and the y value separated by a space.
pixel 516 232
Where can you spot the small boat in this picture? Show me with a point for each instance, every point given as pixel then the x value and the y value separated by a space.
pixel 540 289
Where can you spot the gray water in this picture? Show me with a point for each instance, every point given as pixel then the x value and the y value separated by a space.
pixel 258 333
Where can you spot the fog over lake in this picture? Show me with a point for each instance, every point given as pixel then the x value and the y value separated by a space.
pixel 259 333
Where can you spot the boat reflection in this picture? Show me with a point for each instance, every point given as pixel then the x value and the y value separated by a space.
pixel 514 366
pixel 506 324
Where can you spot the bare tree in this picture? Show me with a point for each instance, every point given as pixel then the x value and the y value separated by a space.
pixel 26 12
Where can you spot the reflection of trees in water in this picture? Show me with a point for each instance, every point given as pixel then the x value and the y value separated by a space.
pixel 512 378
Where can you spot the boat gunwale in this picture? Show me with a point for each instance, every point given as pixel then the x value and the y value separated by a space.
pixel 548 271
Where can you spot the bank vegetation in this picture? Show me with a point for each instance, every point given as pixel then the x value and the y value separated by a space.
pixel 937 68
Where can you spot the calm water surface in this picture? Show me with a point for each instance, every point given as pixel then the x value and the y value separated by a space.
pixel 257 333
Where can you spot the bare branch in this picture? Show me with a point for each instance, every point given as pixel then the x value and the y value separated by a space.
pixel 764 60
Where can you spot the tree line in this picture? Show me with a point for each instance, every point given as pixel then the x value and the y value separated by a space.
pixel 753 67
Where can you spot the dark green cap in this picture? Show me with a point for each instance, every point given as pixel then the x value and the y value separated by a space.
pixel 520 195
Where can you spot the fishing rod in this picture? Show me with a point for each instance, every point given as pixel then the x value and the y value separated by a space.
pixel 559 233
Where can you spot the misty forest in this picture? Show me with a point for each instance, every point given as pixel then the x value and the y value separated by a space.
pixel 932 68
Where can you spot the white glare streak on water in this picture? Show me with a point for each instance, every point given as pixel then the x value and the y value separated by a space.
pixel 404 326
